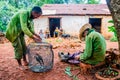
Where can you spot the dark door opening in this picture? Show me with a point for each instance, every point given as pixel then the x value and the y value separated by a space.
pixel 96 24
pixel 53 23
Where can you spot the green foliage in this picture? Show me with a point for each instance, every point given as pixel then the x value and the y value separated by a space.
pixel 111 21
pixel 93 1
pixel 81 1
pixel 69 73
pixel 113 39
pixel 112 29
pixel 108 73
pixel 58 1
pixel 6 11
pixel 2 27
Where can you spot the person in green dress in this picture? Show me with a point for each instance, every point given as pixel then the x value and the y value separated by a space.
pixel 22 24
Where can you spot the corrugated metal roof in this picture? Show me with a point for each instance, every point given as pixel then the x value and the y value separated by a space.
pixel 75 9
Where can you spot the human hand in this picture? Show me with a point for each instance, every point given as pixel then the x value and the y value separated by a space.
pixel 37 38
pixel 77 57
pixel 36 35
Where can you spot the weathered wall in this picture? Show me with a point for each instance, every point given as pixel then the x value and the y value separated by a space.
pixel 41 23
pixel 104 25
pixel 72 24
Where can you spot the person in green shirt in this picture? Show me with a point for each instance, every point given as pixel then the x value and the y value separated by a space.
pixel 95 47
pixel 94 51
pixel 22 24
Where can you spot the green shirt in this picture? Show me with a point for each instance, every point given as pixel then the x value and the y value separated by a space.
pixel 20 23
pixel 95 48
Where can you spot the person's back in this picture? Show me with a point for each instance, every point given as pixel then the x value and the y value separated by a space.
pixel 95 48
pixel 16 25
pixel 99 45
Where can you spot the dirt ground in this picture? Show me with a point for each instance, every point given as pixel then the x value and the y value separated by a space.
pixel 8 65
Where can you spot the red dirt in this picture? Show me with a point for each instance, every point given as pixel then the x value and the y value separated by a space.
pixel 9 71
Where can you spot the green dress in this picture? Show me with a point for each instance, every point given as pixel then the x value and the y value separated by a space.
pixel 20 24
pixel 95 48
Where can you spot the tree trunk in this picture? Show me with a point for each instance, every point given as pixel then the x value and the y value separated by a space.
pixel 114 7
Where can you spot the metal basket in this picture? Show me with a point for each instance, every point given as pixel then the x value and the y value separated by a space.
pixel 40 56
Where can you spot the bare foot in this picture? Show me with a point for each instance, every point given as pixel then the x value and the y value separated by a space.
pixel 25 63
pixel 22 68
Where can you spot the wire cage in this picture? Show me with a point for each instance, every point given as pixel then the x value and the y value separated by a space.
pixel 40 56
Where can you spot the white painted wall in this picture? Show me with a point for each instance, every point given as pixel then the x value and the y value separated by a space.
pixel 41 23
pixel 72 24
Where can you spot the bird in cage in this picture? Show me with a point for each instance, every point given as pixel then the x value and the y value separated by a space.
pixel 39 59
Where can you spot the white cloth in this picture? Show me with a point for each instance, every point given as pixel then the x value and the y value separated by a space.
pixel 42 36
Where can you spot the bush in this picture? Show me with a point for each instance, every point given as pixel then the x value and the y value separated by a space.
pixel 112 29
pixel 113 39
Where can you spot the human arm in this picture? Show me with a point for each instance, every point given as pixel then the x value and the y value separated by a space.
pixel 24 26
pixel 36 38
pixel 88 49
pixel 28 31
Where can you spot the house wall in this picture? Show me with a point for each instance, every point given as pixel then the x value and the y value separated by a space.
pixel 72 24
pixel 104 25
pixel 41 23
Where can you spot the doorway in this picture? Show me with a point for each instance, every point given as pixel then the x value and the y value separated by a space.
pixel 96 24
pixel 53 23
